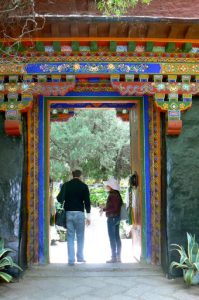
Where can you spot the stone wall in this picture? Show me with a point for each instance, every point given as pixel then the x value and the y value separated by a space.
pixel 182 177
pixel 11 189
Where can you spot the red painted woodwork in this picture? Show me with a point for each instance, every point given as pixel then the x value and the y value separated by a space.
pixel 124 117
pixel 13 127
pixel 174 127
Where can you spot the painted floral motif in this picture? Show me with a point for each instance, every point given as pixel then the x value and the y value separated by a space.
pixel 121 49
pixel 135 88
pixel 139 49
pixel 49 49
pixel 66 49
pixel 76 67
pixel 165 106
pixel 182 106
pixel 111 67
pixel 91 68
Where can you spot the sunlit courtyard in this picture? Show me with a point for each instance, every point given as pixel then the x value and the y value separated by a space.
pixel 97 249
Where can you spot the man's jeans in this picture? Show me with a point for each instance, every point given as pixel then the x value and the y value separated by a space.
pixel 113 224
pixel 75 225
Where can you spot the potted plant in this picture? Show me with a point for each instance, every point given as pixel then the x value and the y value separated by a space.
pixel 6 261
pixel 189 261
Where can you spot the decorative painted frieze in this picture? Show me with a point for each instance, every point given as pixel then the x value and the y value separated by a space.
pixel 91 68
pixel 152 88
pixel 83 66
pixel 38 88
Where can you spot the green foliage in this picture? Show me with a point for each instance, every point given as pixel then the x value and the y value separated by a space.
pixel 118 7
pixel 5 262
pixel 189 261
pixel 98 196
pixel 95 141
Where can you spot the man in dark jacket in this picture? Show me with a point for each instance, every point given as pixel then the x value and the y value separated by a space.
pixel 76 197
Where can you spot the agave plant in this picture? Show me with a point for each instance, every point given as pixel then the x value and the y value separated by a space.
pixel 189 261
pixel 6 261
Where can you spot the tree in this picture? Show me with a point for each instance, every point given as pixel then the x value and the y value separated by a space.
pixel 118 7
pixel 93 140
pixel 18 19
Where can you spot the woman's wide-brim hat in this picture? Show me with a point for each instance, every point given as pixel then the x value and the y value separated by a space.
pixel 112 182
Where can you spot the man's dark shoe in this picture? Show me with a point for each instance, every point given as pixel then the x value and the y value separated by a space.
pixel 71 264
pixel 111 261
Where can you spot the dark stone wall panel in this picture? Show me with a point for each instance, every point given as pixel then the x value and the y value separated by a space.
pixel 183 181
pixel 11 176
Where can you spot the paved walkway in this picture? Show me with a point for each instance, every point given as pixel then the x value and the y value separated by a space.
pixel 97 281
pixel 97 248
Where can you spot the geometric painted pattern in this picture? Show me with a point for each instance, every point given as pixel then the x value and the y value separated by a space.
pixel 32 195
pixel 155 184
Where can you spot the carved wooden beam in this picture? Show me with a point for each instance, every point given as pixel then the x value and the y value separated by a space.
pixel 39 88
pixel 152 88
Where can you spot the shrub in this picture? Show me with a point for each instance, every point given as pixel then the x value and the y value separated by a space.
pixel 6 262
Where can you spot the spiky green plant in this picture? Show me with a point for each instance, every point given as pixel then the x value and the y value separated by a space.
pixel 189 261
pixel 118 7
pixel 6 261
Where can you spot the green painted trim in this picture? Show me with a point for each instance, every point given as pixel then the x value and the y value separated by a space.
pixel 94 46
pixel 149 46
pixel 39 46
pixel 2 46
pixel 75 46
pixel 143 199
pixel 45 149
pixel 113 46
pixel 170 47
pixel 19 47
pixel 131 46
pixel 57 46
pixel 187 47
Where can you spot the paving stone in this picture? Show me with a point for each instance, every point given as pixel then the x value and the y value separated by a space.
pixel 187 294
pixel 55 282
pixel 155 296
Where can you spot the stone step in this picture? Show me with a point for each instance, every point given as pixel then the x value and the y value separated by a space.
pixel 86 270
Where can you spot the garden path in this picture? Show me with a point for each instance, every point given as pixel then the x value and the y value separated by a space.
pixel 97 249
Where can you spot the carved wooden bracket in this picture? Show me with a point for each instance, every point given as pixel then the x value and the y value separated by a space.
pixel 173 107
pixel 15 106
pixel 123 115
pixel 166 95
pixel 13 127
